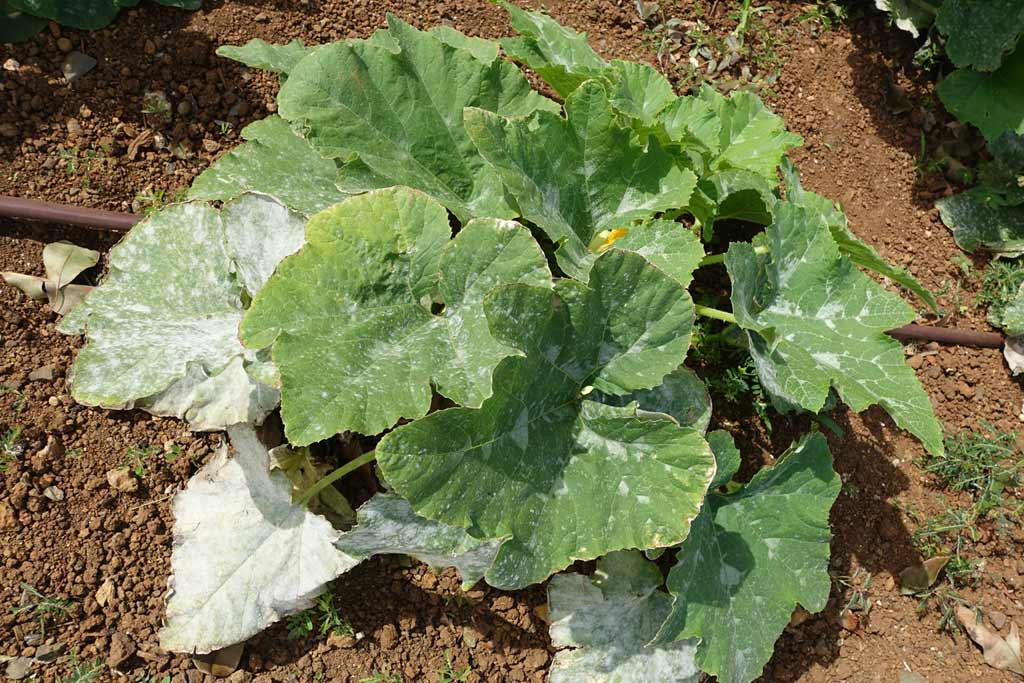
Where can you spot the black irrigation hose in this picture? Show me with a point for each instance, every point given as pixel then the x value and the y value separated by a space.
pixel 14 207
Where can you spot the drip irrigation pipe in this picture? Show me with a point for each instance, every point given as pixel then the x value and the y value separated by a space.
pixel 14 207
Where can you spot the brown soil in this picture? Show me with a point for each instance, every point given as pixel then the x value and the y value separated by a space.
pixel 89 143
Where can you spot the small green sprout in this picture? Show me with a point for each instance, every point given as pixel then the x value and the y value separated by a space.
pixel 449 674
pixel 46 609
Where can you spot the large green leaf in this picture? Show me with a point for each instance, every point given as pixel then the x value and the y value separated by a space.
pixel 562 476
pixel 399 108
pixel 750 558
pixel 815 322
pixel 908 15
pixel 274 161
pixel 669 245
pixel 350 315
pixel 994 102
pixel 751 137
pixel 681 395
pixel 601 626
pixel 861 253
pixel 578 176
pixel 559 55
pixel 980 32
pixel 162 329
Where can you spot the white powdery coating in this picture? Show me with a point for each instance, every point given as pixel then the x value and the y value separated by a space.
pixel 244 556
pixel 260 233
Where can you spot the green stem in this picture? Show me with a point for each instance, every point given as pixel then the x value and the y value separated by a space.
pixel 926 6
pixel 714 313
pixel 741 26
pixel 334 476
pixel 715 259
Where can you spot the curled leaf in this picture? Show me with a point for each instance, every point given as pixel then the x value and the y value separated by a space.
pixel 63 262
pixel 918 578
pixel 999 653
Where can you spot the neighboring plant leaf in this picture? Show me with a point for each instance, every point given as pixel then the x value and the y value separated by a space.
pixel 993 102
pixel 565 477
pixel 578 176
pixel 601 626
pixel 1013 352
pixel 276 162
pixel 400 113
pixel 815 322
pixel 907 15
pixel 669 245
pixel 260 233
pixel 559 55
pixel 727 457
pixel 388 525
pixel 1002 654
pixel 638 90
pixel 162 329
pixel 980 220
pixel 980 32
pixel 1013 315
pixel 682 396
pixel 259 54
pixel 751 557
pixel 244 556
pixel 861 253
pixel 482 49
pixel 917 578
pixel 87 14
pixel 737 195
pixel 350 315
pixel 16 26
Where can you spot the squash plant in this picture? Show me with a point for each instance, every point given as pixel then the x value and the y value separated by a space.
pixel 417 222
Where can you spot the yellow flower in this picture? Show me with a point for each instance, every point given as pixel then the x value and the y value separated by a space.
pixel 610 238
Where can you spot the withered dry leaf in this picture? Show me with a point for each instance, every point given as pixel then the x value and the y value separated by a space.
pixel 999 653
pixel 63 262
pixel 918 578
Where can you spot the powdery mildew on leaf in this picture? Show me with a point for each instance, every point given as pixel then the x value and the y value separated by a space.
pixel 565 477
pixel 750 558
pixel 350 320
pixel 244 556
pixel 260 54
pixel 993 102
pixel 682 395
pixel 398 108
pixel 607 621
pixel 387 525
pixel 277 162
pixel 814 321
pixel 980 33
pixel 578 176
pixel 162 329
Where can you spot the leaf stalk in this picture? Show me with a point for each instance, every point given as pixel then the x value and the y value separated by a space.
pixel 716 259
pixel 347 468
pixel 715 314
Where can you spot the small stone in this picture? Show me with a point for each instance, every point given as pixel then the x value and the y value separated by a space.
pixel 911 677
pixel 184 108
pixel 74 131
pixel 503 603
pixel 8 130
pixel 149 47
pixel 470 636
pixel 18 668
pixel 11 65
pixel 261 17
pixel 240 677
pixel 45 373
pixel 54 493
pixel 122 647
pixel 340 642
pixel 47 654
pixel 8 517
pixel 388 637
pixel 105 593
pixel 64 44
pixel 121 479
pixel 77 64
pixel 211 145
pixel 997 618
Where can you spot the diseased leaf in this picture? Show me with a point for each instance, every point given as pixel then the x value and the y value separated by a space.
pixel 63 262
pixel 482 49
pixel 727 457
pixel 350 315
pixel 980 32
pixel 815 322
pixel 262 55
pixel 751 137
pixel 1001 654
pixel 601 626
pixel 564 477
pixel 861 253
pixel 162 329
pixel 638 90
pixel 750 558
pixel 980 220
pixel 244 556
pixel 578 176
pixel 993 102
pixel 88 14
pixel 907 15
pixel 277 162
pixel 558 54
pixel 681 395
pixel 669 245
pixel 396 116
pixel 388 525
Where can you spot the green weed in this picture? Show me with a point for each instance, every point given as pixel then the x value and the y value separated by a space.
pixel 20 403
pixel 323 617
pixel 448 674
pixel 83 672
pixel 9 450
pixel 378 677
pixel 135 458
pixel 1000 282
pixel 150 200
pixel 827 14
pixel 46 609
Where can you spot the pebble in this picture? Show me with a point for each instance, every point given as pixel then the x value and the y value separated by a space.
pixel 54 493
pixel 121 479
pixel 11 65
pixel 77 64
pixel 8 517
pixel 74 128
pixel 388 637
pixel 18 668
pixel 64 44
pixel 47 654
pixel 122 647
